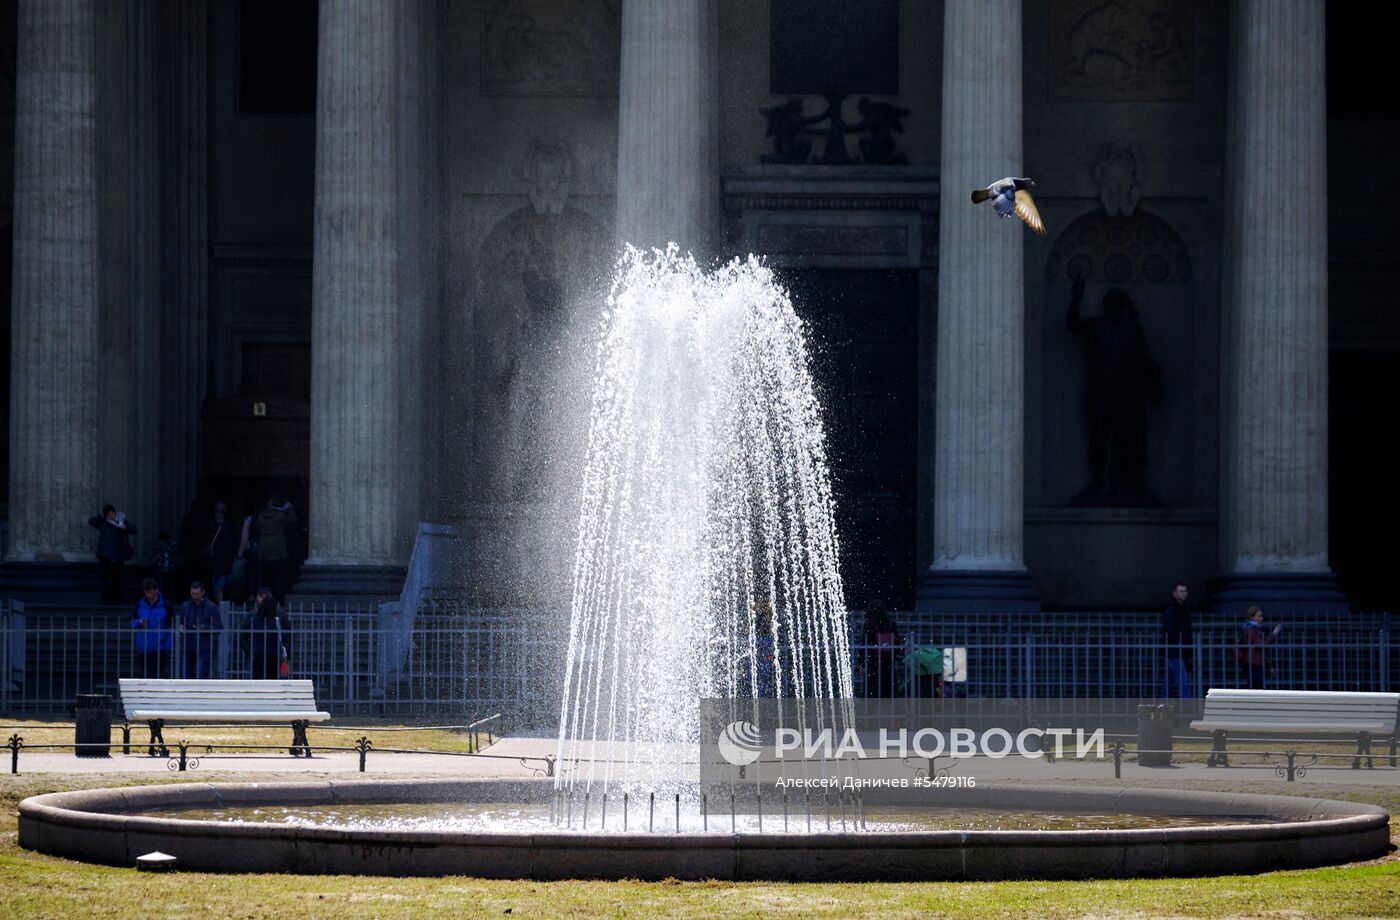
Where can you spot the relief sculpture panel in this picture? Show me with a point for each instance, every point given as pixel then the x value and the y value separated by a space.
pixel 543 48
pixel 1120 49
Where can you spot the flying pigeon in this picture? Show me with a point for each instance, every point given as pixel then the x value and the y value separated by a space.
pixel 1010 196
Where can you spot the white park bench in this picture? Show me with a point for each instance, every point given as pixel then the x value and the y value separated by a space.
pixel 156 701
pixel 1362 716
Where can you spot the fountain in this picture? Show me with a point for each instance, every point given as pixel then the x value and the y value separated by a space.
pixel 707 552
pixel 706 567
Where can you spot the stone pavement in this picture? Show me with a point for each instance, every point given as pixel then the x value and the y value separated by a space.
pixel 524 757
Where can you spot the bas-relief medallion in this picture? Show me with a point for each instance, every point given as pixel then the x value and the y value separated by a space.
pixel 1119 250
pixel 1120 49
pixel 544 48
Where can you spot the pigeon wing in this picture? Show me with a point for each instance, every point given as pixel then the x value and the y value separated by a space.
pixel 1004 204
pixel 1025 209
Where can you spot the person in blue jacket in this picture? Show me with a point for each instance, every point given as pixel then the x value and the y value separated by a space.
pixel 154 639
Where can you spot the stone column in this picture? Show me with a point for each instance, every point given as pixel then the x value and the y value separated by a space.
pixel 184 311
pixel 1274 531
pixel 355 384
pixel 668 126
pixel 56 369
pixel 979 424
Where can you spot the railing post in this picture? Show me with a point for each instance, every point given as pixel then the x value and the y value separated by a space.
pixel 1118 759
pixel 1028 668
pixel 184 754
pixel 5 660
pixel 15 743
pixel 1198 661
pixel 362 747
pixel 1385 652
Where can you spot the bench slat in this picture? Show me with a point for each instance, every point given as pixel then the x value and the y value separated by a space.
pixel 213 716
pixel 1294 727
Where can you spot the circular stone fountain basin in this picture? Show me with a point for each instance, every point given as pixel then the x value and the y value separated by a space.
pixel 1272 832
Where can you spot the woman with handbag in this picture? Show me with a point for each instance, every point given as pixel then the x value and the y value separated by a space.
pixel 267 638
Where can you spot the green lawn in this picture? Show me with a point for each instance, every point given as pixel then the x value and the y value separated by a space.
pixel 391 735
pixel 33 886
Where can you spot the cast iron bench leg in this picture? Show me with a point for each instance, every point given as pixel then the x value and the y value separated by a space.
pixel 1363 749
pixel 1217 757
pixel 301 746
pixel 157 727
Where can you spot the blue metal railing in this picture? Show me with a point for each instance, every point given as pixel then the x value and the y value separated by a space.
pixel 465 658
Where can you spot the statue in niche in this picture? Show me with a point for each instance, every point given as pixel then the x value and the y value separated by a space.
pixel 537 264
pixel 1121 380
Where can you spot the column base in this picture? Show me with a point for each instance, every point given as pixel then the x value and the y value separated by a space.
pixel 1276 592
pixel 364 586
pixel 975 591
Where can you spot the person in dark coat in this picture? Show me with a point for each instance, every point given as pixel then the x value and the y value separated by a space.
pixel 219 552
pixel 201 624
pixel 266 636
pixel 112 530
pixel 276 526
pixel 1249 649
pixel 1176 629
pixel 190 543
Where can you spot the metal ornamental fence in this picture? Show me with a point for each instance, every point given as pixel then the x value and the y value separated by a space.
pixel 459 658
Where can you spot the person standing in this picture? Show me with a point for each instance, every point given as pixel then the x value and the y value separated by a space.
pixel 1176 628
pixel 1249 649
pixel 112 550
pixel 276 525
pixel 267 637
pixel 163 553
pixel 189 543
pixel 201 624
pixel 151 620
pixel 221 549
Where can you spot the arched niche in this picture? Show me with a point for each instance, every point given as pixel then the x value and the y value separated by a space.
pixel 1144 255
pixel 537 269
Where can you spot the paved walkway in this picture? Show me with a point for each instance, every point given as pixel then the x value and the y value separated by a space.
pixel 526 757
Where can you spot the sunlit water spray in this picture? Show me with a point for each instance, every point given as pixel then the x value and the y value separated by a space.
pixel 707 556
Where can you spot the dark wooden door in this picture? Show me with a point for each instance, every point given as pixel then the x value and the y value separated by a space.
pixel 864 346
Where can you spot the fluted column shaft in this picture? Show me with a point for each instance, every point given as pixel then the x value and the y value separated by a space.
pixel 55 325
pixel 184 337
pixel 1276 291
pixel 668 125
pixel 355 451
pixel 978 460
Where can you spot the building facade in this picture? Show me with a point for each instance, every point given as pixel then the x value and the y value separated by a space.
pixel 351 252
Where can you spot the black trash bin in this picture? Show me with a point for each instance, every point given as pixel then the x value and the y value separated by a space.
pixel 1155 723
pixel 93 714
